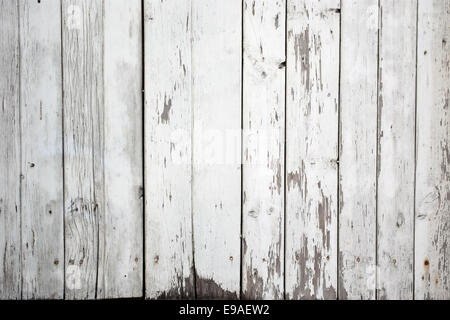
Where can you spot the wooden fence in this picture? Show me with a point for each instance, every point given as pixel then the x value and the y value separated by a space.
pixel 294 149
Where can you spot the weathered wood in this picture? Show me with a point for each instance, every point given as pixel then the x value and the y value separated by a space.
pixel 216 92
pixel 396 130
pixel 120 271
pixel 263 150
pixel 342 119
pixel 42 169
pixel 10 245
pixel 312 149
pixel 358 149
pixel 432 233
pixel 168 150
pixel 83 143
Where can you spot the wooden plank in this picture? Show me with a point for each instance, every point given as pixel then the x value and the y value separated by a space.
pixel 42 169
pixel 358 149
pixel 168 172
pixel 83 143
pixel 396 134
pixel 216 91
pixel 10 245
pixel 312 149
pixel 432 233
pixel 121 228
pixel 263 149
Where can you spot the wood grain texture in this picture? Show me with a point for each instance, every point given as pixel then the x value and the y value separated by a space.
pixel 358 149
pixel 432 233
pixel 10 232
pixel 42 169
pixel 120 271
pixel 291 149
pixel 83 143
pixel 168 150
pixel 216 92
pixel 312 149
pixel 396 134
pixel 263 150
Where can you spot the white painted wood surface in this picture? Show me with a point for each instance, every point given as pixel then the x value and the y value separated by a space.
pixel 350 129
pixel 121 241
pixel 358 149
pixel 168 150
pixel 10 232
pixel 102 61
pixel 312 149
pixel 396 145
pixel 42 157
pixel 216 103
pixel 83 143
pixel 432 232
pixel 263 149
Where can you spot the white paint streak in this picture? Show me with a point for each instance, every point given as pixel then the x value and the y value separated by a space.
pixel 263 149
pixel 396 129
pixel 432 234
pixel 168 122
pixel 41 127
pixel 120 271
pixel 10 264
pixel 312 149
pixel 216 94
pixel 358 150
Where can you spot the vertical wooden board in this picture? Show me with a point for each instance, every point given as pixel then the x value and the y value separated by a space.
pixel 41 127
pixel 216 76
pixel 312 149
pixel 121 229
pixel 432 232
pixel 168 172
pixel 10 245
pixel 83 143
pixel 358 149
pixel 263 149
pixel 396 116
